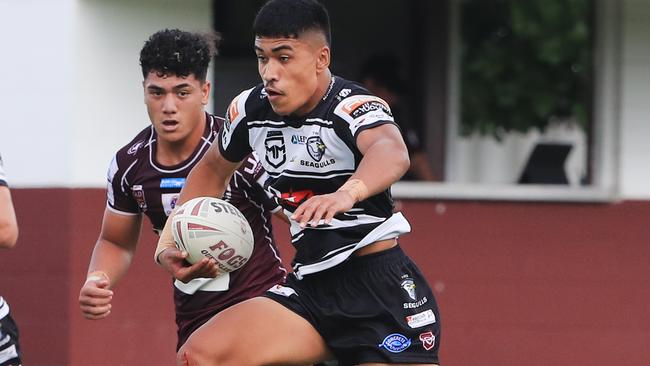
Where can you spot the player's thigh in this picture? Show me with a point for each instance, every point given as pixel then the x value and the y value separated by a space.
pixel 400 364
pixel 257 331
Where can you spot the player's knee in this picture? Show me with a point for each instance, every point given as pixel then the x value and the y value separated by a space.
pixel 196 353
pixel 190 355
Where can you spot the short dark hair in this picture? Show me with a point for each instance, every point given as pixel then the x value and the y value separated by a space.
pixel 177 52
pixel 291 18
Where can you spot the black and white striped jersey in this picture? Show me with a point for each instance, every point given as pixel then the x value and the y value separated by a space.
pixel 314 155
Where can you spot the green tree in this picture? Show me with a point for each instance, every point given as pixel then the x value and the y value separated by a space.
pixel 524 63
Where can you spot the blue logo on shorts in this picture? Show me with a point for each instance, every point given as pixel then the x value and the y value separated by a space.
pixel 395 343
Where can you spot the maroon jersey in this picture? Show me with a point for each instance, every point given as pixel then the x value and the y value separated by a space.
pixel 138 184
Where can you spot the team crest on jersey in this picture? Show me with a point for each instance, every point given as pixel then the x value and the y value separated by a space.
pixel 276 153
pixel 409 286
pixel 315 147
pixel 138 195
pixel 134 148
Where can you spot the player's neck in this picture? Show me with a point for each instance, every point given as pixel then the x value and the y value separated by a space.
pixel 325 81
pixel 170 153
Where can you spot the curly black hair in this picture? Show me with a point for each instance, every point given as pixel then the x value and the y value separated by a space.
pixel 180 53
pixel 290 18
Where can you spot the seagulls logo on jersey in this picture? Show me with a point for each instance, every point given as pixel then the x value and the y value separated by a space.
pixel 409 286
pixel 276 153
pixel 315 147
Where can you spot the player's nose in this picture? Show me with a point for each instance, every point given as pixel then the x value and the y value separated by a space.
pixel 169 104
pixel 269 72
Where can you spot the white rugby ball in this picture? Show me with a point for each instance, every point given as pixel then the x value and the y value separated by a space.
pixel 213 228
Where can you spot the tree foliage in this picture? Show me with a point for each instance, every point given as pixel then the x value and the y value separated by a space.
pixel 525 63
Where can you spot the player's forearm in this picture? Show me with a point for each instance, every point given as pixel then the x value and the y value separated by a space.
pixel 8 235
pixel 8 225
pixel 205 171
pixel 110 259
pixel 383 164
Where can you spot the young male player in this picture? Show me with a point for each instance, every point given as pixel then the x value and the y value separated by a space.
pixel 332 151
pixel 9 347
pixel 147 174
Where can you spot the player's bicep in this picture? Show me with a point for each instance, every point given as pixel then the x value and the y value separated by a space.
pixel 387 135
pixel 122 230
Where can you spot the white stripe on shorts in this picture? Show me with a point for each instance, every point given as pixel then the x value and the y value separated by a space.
pixel 8 354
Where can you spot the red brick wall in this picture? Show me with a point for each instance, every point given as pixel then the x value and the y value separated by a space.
pixel 517 283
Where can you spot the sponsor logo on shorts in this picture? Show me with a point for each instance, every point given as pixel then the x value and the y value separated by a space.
pixel 409 286
pixel 428 340
pixel 282 290
pixel 395 343
pixel 421 319
pixel 172 182
pixel 415 305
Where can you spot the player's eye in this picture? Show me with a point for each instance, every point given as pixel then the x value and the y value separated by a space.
pixel 284 58
pixel 262 59
pixel 183 93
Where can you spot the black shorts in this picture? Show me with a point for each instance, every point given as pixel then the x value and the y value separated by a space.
pixel 9 349
pixel 374 308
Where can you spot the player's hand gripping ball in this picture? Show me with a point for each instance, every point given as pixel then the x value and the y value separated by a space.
pixel 213 228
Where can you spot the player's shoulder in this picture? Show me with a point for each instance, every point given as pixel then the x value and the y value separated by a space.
pixel 353 102
pixel 136 148
pixel 247 104
pixel 214 125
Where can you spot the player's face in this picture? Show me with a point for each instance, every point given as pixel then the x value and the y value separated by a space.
pixel 175 105
pixel 292 70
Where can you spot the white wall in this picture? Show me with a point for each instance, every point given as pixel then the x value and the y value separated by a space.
pixel 36 60
pixel 74 93
pixel 635 101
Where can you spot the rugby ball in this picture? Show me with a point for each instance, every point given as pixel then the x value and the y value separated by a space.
pixel 213 228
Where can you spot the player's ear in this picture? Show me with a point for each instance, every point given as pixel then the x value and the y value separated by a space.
pixel 205 90
pixel 323 59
